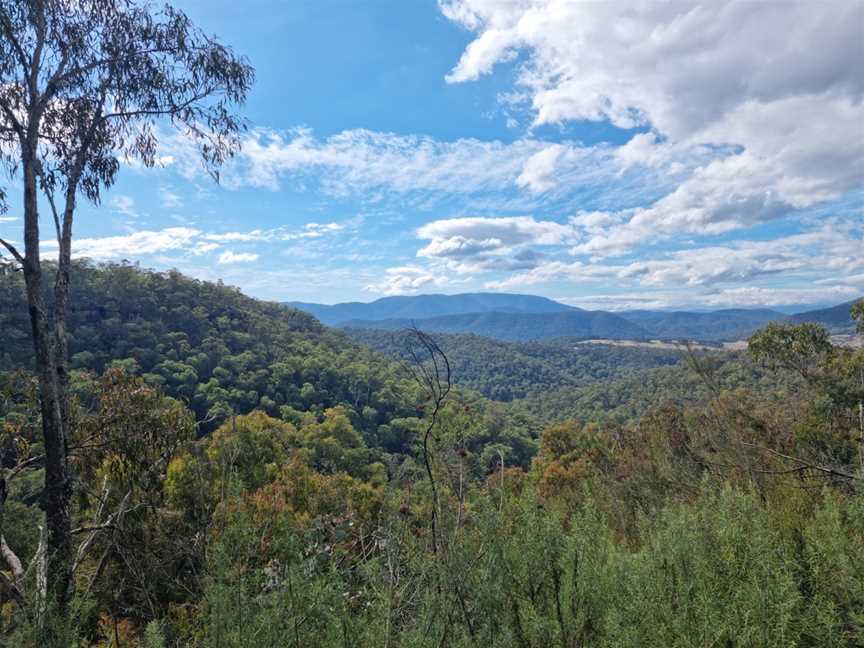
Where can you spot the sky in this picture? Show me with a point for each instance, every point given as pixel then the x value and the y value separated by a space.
pixel 608 155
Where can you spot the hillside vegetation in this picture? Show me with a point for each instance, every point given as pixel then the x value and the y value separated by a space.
pixel 505 371
pixel 210 346
pixel 247 477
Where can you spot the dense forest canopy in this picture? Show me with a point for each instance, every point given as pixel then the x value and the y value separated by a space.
pixel 505 371
pixel 246 472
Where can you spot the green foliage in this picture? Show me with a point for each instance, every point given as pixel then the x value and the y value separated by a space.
pixel 794 347
pixel 154 636
pixel 627 399
pixel 716 501
pixel 858 315
pixel 505 371
pixel 219 351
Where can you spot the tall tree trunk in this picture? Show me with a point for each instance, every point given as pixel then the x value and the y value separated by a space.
pixel 53 400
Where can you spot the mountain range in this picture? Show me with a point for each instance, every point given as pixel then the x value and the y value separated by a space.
pixel 423 306
pixel 515 317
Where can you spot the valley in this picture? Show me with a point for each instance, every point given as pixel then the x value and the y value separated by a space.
pixel 277 429
pixel 431 324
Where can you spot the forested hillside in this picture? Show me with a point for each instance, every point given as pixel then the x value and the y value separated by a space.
pixel 728 324
pixel 836 318
pixel 209 345
pixel 506 371
pixel 248 477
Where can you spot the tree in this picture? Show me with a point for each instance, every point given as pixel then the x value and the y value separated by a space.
pixel 430 368
pixel 799 348
pixel 82 86
pixel 858 315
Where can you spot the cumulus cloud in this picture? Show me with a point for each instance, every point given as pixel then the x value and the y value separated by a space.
pixel 833 249
pixel 538 174
pixel 188 241
pixel 229 257
pixel 791 164
pixel 131 245
pixel 508 247
pixel 771 92
pixel 676 66
pixel 472 244
pixel 510 230
pixel 408 279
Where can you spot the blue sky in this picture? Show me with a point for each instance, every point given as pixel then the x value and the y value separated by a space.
pixel 607 155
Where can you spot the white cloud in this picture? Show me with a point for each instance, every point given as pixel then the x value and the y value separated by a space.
pixel 361 159
pixel 538 174
pixel 204 248
pixel 309 230
pixel 8 219
pixel 739 297
pixel 131 245
pixel 509 230
pixel 313 230
pixel 324 227
pixel 254 235
pixel 187 240
pixel 771 91
pixel 229 257
pixel 125 205
pixel 474 244
pixel 169 199
pixel 374 165
pixel 677 66
pixel 408 279
pixel 832 249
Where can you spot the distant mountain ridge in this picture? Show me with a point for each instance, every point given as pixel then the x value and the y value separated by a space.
pixel 836 318
pixel 519 327
pixel 514 317
pixel 423 306
pixel 726 324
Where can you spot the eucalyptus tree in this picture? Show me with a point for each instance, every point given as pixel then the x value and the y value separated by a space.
pixel 857 313
pixel 85 87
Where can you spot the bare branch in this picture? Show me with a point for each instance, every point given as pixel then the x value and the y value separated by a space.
pixel 9 33
pixel 803 464
pixel 13 251
pixel 14 472
pixel 11 559
pixel 436 392
pixel 13 589
pixel 94 530
pixel 50 195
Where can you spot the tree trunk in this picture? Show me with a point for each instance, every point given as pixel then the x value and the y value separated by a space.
pixel 52 397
